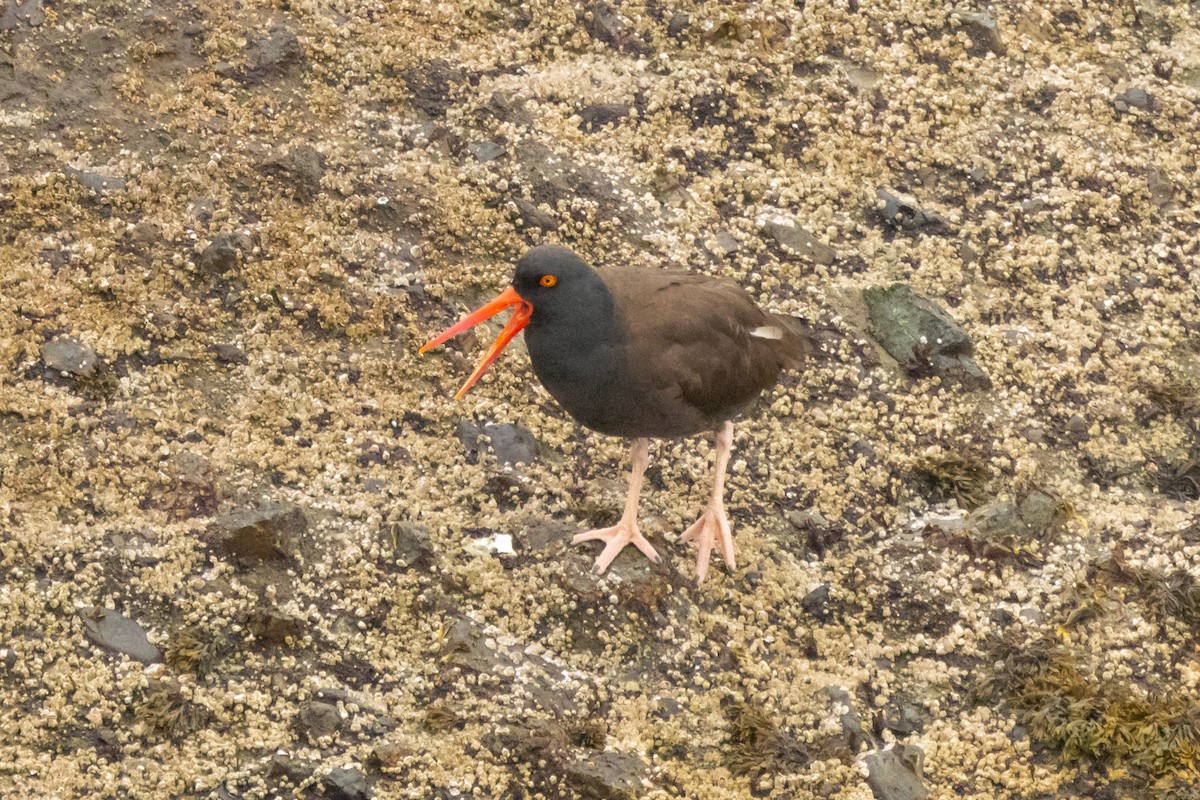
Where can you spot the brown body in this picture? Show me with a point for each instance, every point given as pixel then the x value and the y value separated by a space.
pixel 685 353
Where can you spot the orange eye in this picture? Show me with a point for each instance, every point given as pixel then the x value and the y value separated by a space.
pixel 548 280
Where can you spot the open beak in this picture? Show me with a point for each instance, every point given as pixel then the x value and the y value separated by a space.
pixel 516 322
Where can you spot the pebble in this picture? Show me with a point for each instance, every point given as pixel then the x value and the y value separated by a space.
pixel 116 632
pixel 678 25
pixel 816 602
pixel 70 357
pixel 895 773
pixel 485 150
pixel 796 240
pixel 347 783
pixel 983 30
pixel 319 719
pixel 1133 98
pixel 100 184
pixel 228 353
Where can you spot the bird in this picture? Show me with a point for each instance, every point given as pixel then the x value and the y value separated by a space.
pixel 642 353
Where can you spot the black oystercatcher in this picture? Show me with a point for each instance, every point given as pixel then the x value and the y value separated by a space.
pixel 643 353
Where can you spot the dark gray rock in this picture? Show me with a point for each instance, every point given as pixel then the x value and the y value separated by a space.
pixel 466 646
pixel 983 30
pixel 603 24
pixel 1017 522
pixel 543 535
pixel 347 783
pixel 409 545
pixel 319 719
pixel 906 718
pixel 273 55
pixel 900 211
pixel 116 632
pixel 1077 424
pixel 275 627
pixel 669 190
pixel 511 444
pixel 598 115
pixel 228 353
pixel 726 244
pixel 294 770
pixel 18 13
pixel 533 217
pixel 300 169
pixel 1162 190
pixel 1133 98
pixel 920 335
pixel 70 357
pixel 100 184
pixel 1035 434
pixel 506 108
pixel 852 727
pixel 678 25
pixel 1031 616
pixel 193 468
pixel 797 241
pixel 553 177
pixel 266 532
pixel 816 602
pixel 431 86
pixel 485 150
pixel 895 774
pixel 523 679
pixel 605 776
pixel 223 253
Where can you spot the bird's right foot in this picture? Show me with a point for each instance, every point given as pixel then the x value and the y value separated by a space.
pixel 615 539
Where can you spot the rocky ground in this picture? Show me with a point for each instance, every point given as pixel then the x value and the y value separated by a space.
pixel 250 547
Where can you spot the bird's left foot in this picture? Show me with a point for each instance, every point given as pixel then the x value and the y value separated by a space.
pixel 615 539
pixel 712 528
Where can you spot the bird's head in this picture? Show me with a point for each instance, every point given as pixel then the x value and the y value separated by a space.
pixel 549 277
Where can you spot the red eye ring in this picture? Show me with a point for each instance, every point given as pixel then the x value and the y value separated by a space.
pixel 548 280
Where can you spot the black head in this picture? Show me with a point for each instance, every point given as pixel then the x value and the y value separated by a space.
pixel 554 280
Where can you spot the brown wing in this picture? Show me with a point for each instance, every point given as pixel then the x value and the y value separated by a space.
pixel 699 340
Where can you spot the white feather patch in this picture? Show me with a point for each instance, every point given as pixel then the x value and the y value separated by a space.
pixel 767 332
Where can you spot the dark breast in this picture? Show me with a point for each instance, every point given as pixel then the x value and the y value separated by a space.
pixel 682 353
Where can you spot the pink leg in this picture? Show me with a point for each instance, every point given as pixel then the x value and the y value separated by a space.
pixel 626 531
pixel 713 524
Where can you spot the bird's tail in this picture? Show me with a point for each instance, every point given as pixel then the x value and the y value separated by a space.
pixel 799 341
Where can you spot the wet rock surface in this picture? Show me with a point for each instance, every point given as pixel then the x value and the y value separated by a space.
pixel 266 532
pixel 226 229
pixel 606 776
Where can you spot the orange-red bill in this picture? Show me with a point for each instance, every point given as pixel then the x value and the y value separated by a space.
pixel 516 322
